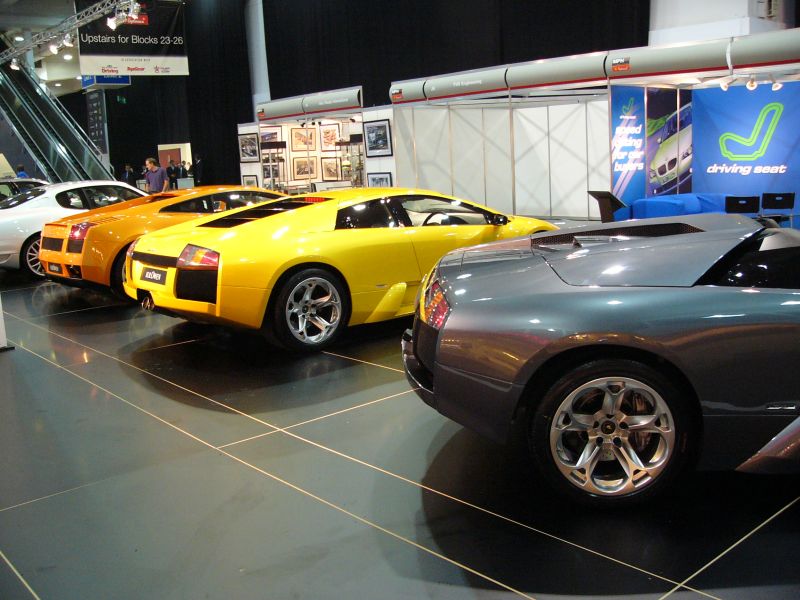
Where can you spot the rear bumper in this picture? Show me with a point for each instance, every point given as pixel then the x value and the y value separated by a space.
pixel 477 402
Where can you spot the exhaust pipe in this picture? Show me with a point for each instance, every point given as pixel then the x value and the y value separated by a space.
pixel 147 303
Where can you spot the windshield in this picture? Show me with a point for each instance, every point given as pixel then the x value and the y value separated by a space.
pixel 21 198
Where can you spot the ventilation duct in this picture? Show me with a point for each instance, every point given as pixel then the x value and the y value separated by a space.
pixel 568 72
pixel 320 104
pixel 706 58
pixel 467 83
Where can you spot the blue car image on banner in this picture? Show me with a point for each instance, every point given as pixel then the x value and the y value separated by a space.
pixel 747 142
pixel 628 143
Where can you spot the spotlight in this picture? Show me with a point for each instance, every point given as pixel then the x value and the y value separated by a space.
pixel 302 124
pixel 15 64
pixel 134 9
pixel 67 41
pixel 751 83
pixel 67 56
pixel 57 84
pixel 19 38
pixel 54 47
pixel 724 85
pixel 776 85
pixel 112 22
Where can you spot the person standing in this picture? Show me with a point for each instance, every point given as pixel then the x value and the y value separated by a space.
pixel 172 173
pixel 21 172
pixel 156 176
pixel 197 169
pixel 128 176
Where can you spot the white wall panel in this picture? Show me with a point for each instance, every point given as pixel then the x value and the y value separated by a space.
pixel 433 148
pixel 499 180
pixel 403 133
pixel 598 144
pixel 532 161
pixel 568 160
pixel 466 125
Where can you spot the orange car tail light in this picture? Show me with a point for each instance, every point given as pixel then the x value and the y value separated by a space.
pixel 77 235
pixel 196 257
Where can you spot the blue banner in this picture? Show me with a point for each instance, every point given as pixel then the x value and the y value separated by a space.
pixel 746 142
pixel 628 143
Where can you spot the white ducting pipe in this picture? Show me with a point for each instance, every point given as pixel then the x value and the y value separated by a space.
pixel 347 99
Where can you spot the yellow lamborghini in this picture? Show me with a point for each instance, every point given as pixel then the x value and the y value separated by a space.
pixel 302 268
pixel 89 249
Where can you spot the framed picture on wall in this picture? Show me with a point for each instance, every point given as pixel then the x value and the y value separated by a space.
pixel 328 136
pixel 270 134
pixel 379 180
pixel 378 138
pixel 250 180
pixel 304 139
pixel 304 167
pixel 272 171
pixel 248 147
pixel 331 169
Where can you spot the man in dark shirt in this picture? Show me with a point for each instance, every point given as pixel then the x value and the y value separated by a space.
pixel 128 176
pixel 172 173
pixel 156 176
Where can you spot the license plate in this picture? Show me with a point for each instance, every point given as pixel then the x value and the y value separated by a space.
pixel 54 268
pixel 154 275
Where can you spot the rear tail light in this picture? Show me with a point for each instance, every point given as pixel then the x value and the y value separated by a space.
pixel 435 308
pixel 77 234
pixel 195 257
pixel 129 253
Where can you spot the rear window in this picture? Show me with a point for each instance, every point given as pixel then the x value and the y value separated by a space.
pixel 264 210
pixel 18 199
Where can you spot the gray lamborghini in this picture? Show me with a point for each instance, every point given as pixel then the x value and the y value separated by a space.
pixel 624 352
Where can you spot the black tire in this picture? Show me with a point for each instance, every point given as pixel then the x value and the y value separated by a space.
pixel 566 425
pixel 117 276
pixel 295 313
pixel 27 263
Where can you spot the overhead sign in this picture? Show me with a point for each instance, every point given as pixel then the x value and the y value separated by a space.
pixel 153 43
pixel 97 82
pixel 628 143
pixel 746 141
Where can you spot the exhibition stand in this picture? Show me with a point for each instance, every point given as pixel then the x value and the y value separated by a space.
pixel 532 138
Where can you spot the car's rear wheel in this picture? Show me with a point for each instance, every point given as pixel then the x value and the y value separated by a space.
pixel 117 277
pixel 29 256
pixel 311 310
pixel 612 432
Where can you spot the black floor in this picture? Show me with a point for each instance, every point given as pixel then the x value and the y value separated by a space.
pixel 146 457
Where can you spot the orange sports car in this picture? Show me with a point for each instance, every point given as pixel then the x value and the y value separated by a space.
pixel 89 249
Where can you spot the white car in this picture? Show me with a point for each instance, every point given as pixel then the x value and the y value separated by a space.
pixel 23 215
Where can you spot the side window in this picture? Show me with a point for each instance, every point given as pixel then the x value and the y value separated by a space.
pixel 5 191
pixel 423 210
pixel 102 195
pixel 70 199
pixel 24 186
pixel 365 215
pixel 124 193
pixel 772 262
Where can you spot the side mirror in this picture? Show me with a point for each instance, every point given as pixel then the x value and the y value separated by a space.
pixel 499 220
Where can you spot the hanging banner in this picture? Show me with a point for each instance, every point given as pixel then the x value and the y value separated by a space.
pixel 746 142
pixel 669 141
pixel 96 114
pixel 152 43
pixel 627 143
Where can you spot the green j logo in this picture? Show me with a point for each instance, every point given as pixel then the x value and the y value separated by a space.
pixel 628 108
pixel 771 112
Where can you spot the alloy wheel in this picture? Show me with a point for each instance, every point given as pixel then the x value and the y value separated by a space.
pixel 612 436
pixel 32 258
pixel 313 310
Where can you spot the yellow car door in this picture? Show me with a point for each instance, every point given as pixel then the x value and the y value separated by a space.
pixel 378 260
pixel 437 225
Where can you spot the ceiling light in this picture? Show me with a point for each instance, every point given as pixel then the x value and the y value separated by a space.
pixel 57 84
pixel 67 56
pixel 776 85
pixel 112 22
pixel 67 41
pixel 79 77
pixel 19 38
pixel 54 47
pixel 15 64
pixel 724 85
pixel 133 10
pixel 751 83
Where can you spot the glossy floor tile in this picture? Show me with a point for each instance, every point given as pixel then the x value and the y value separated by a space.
pixel 147 457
